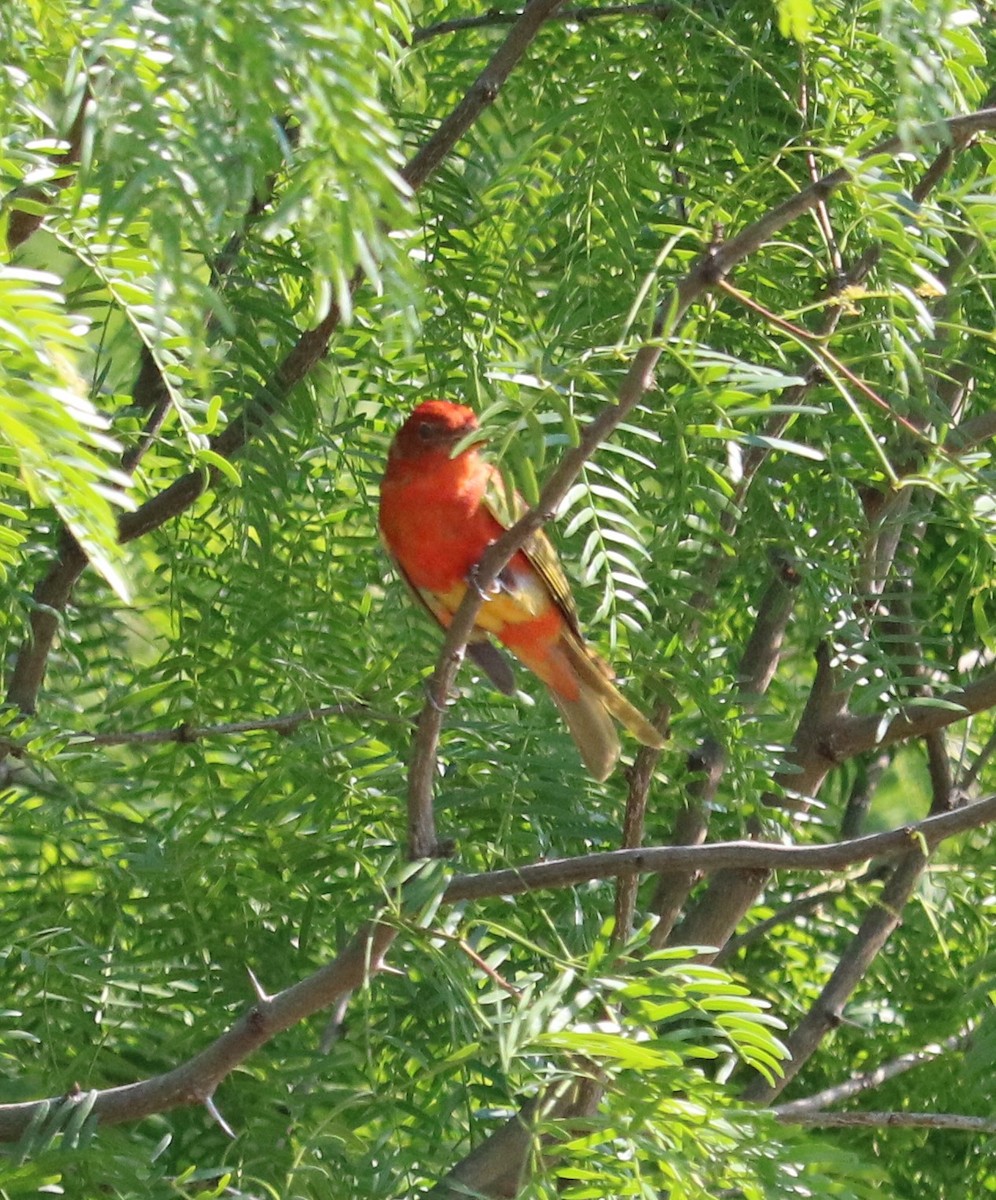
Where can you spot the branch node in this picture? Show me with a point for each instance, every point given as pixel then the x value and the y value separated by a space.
pixel 487 90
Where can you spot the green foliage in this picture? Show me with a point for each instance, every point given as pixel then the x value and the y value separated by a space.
pixel 57 448
pixel 235 165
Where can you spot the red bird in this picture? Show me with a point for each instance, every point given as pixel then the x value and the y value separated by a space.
pixel 439 512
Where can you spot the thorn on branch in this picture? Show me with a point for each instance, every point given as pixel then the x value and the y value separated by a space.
pixel 336 1026
pixel 262 995
pixel 212 1108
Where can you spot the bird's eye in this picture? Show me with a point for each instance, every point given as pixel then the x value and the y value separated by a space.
pixel 425 430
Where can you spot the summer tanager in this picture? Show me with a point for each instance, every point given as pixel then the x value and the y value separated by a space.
pixel 438 514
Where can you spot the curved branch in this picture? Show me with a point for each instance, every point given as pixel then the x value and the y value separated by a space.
pixel 872 1079
pixel 195 1081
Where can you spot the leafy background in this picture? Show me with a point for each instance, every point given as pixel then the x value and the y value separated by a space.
pixel 233 166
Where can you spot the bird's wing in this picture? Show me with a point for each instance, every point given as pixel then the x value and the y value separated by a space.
pixel 540 551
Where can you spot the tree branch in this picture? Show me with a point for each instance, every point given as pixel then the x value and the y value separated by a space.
pixel 580 15
pixel 24 220
pixel 195 733
pixel 754 673
pixel 827 1011
pixel 892 1120
pixel 845 736
pixel 197 1079
pixel 719 856
pixel 867 1080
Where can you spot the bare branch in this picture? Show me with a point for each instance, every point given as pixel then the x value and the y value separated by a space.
pixel 482 93
pixel 195 1081
pixel 720 260
pixel 827 1011
pixel 763 650
pixel 844 736
pixel 757 666
pixel 50 597
pixel 972 432
pixel 867 1080
pixel 495 1167
pixel 894 1120
pixel 719 857
pixel 859 801
pixel 731 891
pixel 194 733
pixel 580 15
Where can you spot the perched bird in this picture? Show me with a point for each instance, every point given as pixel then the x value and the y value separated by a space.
pixel 439 512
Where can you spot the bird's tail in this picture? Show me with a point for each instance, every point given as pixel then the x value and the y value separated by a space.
pixel 596 674
pixel 591 727
pixel 589 717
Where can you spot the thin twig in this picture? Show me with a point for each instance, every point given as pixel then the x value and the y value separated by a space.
pixel 822 355
pixel 894 1120
pixel 465 947
pixel 971 775
pixel 194 733
pixel 866 1080
pixel 808 902
pixel 582 16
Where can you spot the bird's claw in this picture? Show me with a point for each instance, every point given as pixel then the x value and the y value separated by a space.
pixel 439 707
pixel 473 579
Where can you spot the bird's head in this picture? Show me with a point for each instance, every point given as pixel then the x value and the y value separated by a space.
pixel 433 427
